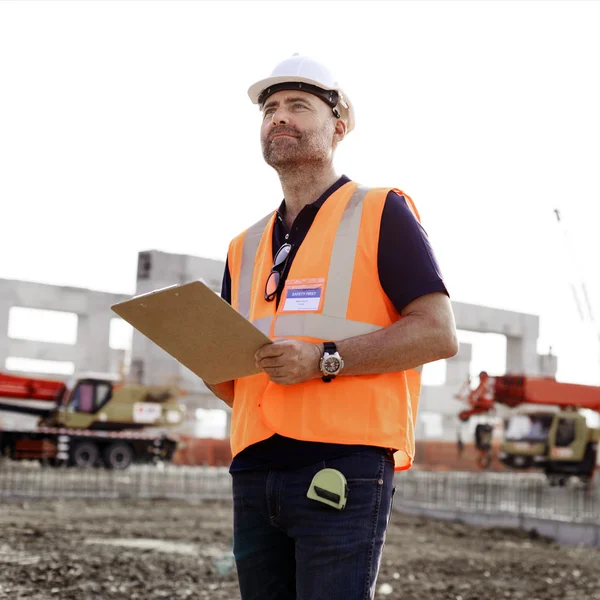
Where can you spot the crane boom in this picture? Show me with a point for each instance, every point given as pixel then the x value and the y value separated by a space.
pixel 514 390
pixel 588 314
pixel 27 388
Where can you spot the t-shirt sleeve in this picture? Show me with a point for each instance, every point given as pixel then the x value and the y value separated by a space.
pixel 407 265
pixel 226 284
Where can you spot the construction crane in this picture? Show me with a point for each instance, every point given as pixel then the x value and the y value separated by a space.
pixel 89 421
pixel 548 432
pixel 530 436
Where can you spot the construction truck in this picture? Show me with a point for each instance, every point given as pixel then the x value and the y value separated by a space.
pixel 547 431
pixel 91 420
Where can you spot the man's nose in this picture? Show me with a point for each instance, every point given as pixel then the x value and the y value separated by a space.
pixel 280 117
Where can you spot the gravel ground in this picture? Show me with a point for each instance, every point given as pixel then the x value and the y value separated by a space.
pixel 147 550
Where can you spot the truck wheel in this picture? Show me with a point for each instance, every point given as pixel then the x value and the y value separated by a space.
pixel 484 460
pixel 84 455
pixel 585 479
pixel 118 456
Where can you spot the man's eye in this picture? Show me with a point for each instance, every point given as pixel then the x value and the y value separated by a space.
pixel 298 105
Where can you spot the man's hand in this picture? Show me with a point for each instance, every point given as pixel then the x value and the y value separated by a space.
pixel 289 361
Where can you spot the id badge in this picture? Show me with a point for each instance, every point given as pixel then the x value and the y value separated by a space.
pixel 303 295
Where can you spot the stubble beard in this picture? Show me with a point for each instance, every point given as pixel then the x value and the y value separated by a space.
pixel 295 153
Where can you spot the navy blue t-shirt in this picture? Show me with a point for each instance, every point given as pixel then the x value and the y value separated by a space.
pixel 407 270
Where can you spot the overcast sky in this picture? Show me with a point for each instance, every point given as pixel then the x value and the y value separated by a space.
pixel 126 126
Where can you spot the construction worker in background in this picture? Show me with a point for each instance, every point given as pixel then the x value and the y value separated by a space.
pixel 344 281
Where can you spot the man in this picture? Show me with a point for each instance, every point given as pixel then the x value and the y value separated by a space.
pixel 344 281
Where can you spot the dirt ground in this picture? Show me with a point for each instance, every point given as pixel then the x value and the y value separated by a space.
pixel 147 550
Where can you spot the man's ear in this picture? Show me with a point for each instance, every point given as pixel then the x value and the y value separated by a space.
pixel 340 129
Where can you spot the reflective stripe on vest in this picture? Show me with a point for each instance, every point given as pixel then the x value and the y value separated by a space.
pixel 264 325
pixel 320 326
pixel 342 257
pixel 316 326
pixel 251 242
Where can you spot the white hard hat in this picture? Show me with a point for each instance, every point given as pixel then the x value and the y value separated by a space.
pixel 306 74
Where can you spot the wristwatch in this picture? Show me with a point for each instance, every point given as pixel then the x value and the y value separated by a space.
pixel 331 362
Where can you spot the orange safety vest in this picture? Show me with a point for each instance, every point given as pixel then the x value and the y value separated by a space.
pixel 338 262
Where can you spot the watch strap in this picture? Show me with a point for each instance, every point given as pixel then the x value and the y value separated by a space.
pixel 329 348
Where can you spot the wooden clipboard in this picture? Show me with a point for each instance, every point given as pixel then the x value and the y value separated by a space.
pixel 198 328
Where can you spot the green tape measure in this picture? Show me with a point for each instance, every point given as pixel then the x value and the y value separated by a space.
pixel 329 487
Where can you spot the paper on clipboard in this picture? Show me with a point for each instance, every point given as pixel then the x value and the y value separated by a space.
pixel 198 328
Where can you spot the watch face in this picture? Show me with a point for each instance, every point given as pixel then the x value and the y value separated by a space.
pixel 331 364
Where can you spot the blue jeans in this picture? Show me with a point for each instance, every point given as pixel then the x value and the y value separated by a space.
pixel 289 547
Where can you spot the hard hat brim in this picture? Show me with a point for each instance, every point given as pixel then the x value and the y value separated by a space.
pixel 255 90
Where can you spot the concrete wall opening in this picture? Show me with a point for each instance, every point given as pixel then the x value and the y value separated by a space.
pixel 488 352
pixel 433 427
pixel 35 365
pixel 121 334
pixel 41 325
pixel 434 373
pixel 210 423
pixel 120 338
